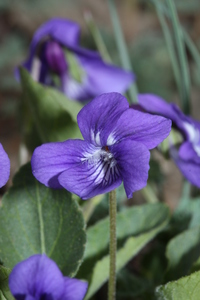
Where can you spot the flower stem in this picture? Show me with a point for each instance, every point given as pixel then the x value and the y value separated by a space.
pixel 122 48
pixel 113 245
pixel 180 45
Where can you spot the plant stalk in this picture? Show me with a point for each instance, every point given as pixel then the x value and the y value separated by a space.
pixel 181 56
pixel 113 245
pixel 122 48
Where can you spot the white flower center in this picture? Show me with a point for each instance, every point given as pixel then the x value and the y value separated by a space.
pixel 194 136
pixel 101 154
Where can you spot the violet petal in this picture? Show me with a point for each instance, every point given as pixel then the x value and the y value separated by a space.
pixel 55 57
pixel 51 159
pixel 74 289
pixel 91 176
pixel 98 118
pixel 142 127
pixel 63 31
pixel 187 152
pixel 133 161
pixel 103 77
pixel 36 276
pixel 4 166
pixel 190 169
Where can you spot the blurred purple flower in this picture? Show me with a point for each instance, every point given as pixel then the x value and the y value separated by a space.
pixel 56 59
pixel 39 278
pixel 187 157
pixel 115 149
pixel 4 167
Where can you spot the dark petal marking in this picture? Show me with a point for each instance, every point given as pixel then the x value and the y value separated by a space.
pixel 20 297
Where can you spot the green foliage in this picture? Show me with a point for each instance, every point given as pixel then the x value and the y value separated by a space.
pixel 131 221
pixel 144 222
pixel 75 69
pixel 187 214
pixel 182 251
pixel 49 115
pixel 130 286
pixel 4 289
pixel 186 288
pixel 36 219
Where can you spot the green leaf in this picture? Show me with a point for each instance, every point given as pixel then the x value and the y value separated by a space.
pixel 186 288
pixel 36 219
pixel 132 221
pixel 52 113
pixel 130 249
pixel 130 286
pixel 142 221
pixel 4 289
pixel 75 69
pixel 187 214
pixel 182 251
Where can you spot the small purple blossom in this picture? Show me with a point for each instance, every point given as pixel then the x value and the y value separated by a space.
pixel 39 278
pixel 115 148
pixel 4 166
pixel 187 157
pixel 56 59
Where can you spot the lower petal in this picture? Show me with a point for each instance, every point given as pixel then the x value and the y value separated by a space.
pixel 190 169
pixel 36 276
pixel 4 167
pixel 133 161
pixel 74 289
pixel 187 152
pixel 88 179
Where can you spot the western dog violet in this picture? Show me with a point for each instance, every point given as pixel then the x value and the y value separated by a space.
pixel 4 166
pixel 115 148
pixel 39 278
pixel 187 157
pixel 56 59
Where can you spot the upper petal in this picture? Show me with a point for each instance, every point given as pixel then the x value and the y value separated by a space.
pixel 4 166
pixel 35 276
pixel 190 169
pixel 156 105
pixel 63 31
pixel 133 162
pixel 51 159
pixel 98 118
pixel 103 77
pixel 74 289
pixel 143 127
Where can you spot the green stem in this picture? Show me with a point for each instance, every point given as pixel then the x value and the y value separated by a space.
pixel 192 48
pixel 113 246
pixel 42 238
pixel 121 45
pixel 170 47
pixel 190 44
pixel 97 36
pixel 182 57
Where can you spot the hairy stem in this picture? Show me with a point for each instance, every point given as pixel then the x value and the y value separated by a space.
pixel 113 246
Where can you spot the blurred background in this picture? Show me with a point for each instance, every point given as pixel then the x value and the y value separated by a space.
pixel 146 44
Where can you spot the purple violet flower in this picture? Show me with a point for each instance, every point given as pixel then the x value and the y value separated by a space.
pixel 115 148
pixel 39 278
pixel 56 59
pixel 187 157
pixel 4 166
